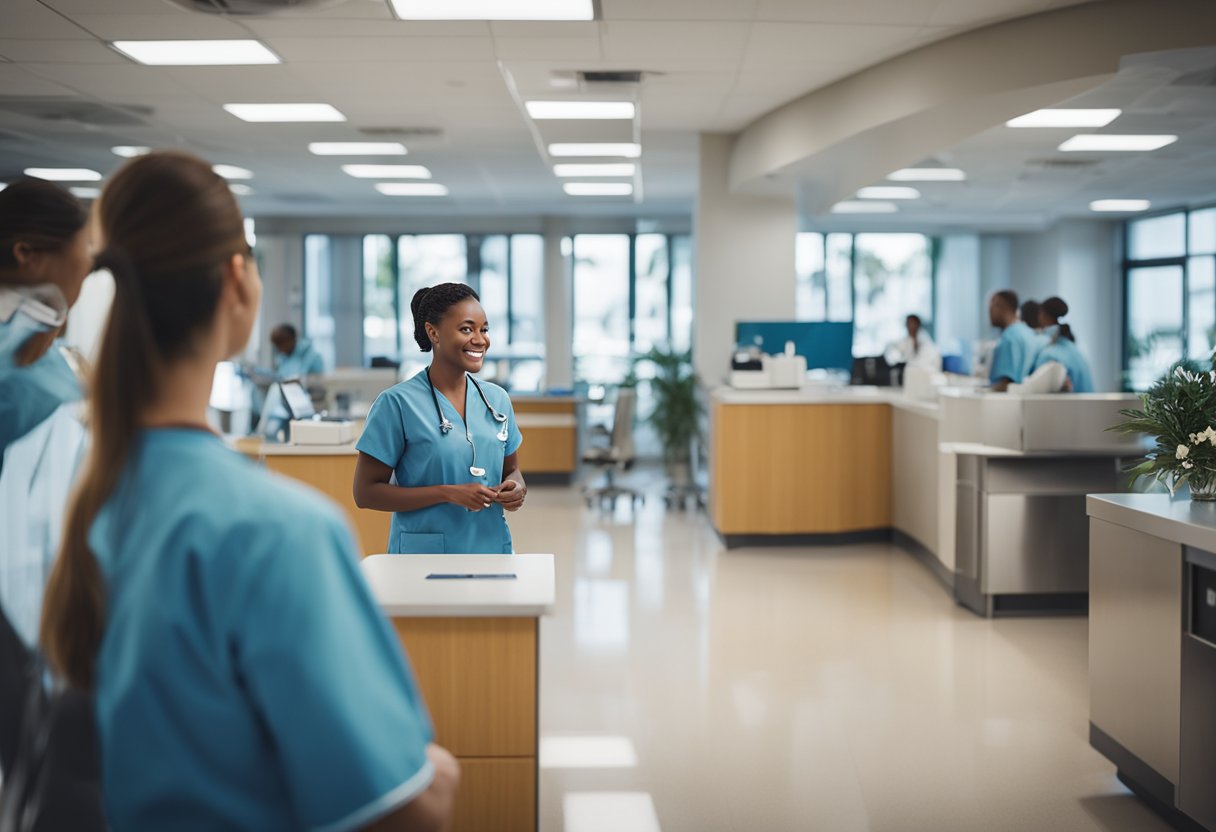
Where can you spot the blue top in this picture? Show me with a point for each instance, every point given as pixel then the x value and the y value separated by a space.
pixel 246 678
pixel 1066 352
pixel 28 395
pixel 402 431
pixel 304 360
pixel 1014 355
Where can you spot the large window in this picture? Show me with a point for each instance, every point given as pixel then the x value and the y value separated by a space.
pixel 381 336
pixel 1170 279
pixel 874 280
pixel 318 296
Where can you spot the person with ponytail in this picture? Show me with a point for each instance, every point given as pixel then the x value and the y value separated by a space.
pixel 1063 347
pixel 243 675
pixel 449 439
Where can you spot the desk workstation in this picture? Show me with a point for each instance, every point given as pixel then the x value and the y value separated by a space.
pixel 987 489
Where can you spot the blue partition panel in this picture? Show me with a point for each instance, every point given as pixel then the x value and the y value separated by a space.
pixel 825 344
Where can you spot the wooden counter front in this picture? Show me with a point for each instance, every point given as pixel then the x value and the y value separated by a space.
pixel 800 469
pixel 550 429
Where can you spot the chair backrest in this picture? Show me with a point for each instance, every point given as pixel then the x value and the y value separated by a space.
pixel 622 423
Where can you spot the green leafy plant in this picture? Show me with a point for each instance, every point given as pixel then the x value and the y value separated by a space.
pixel 1180 411
pixel 676 417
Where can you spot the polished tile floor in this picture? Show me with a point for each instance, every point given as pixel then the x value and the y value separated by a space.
pixel 685 688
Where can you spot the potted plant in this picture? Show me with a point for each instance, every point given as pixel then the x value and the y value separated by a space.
pixel 676 416
pixel 1180 411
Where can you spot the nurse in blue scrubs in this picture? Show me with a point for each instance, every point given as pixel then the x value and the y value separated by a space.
pixel 294 357
pixel 244 677
pixel 1015 352
pixel 439 450
pixel 1063 347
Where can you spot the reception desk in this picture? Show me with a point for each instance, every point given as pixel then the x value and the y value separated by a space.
pixel 550 428
pixel 1152 649
pixel 474 646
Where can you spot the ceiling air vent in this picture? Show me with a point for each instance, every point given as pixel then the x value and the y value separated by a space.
pixel 251 7
pixel 611 76
pixel 403 132
pixel 76 111
pixel 1061 164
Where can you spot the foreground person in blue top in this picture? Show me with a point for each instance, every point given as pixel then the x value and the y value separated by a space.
pixel 244 676
pixel 1014 355
pixel 449 439
pixel 1063 347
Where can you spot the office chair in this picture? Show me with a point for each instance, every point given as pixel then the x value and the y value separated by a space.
pixel 617 456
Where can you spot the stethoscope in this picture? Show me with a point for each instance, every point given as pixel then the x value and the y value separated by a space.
pixel 445 427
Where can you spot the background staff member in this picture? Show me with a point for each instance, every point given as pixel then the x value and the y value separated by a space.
pixel 449 439
pixel 1063 347
pixel 244 676
pixel 294 357
pixel 1015 352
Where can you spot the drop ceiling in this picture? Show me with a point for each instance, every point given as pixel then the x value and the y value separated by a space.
pixel 451 91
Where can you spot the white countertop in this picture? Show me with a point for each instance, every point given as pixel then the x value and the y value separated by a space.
pixel 980 449
pixel 826 394
pixel 400 586
pixel 527 420
pixel 280 449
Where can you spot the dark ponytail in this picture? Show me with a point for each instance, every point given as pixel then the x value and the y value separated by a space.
pixel 1055 308
pixel 430 305
pixel 170 224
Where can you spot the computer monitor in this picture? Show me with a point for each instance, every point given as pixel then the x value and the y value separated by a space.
pixel 299 403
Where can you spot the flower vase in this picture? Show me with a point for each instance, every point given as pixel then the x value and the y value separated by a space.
pixel 1203 486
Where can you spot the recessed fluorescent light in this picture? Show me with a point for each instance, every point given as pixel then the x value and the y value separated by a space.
pixel 284 112
pixel 1120 205
pixel 580 109
pixel 598 188
pixel 240 190
pixel 196 52
pixel 494 9
pixel 387 171
pixel 129 151
pixel 411 189
pixel 1065 118
pixel 64 174
pixel 628 150
pixel 928 175
pixel 864 207
pixel 620 169
pixel 86 193
pixel 232 172
pixel 357 148
pixel 1108 142
pixel 888 192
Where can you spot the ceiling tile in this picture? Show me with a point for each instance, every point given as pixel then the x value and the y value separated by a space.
pixel 311 27
pixel 360 50
pixel 818 43
pixel 18 80
pixel 225 84
pixel 59 51
pixel 659 45
pixel 685 10
pixel 543 29
pixel 31 19
pixel 74 7
pixel 969 13
pixel 118 83
pixel 847 11
pixel 159 26
pixel 548 49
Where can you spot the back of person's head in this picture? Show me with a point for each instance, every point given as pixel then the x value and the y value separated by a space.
pixel 1007 298
pixel 1054 308
pixel 429 305
pixel 169 225
pixel 1030 313
pixel 39 214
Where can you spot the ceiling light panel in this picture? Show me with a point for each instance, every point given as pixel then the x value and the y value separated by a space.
pixel 619 169
pixel 197 52
pixel 864 207
pixel 1065 118
pixel 129 151
pixel 357 149
pixel 411 189
pixel 64 174
pixel 542 110
pixel 1120 205
pixel 232 172
pixel 625 150
pixel 598 188
pixel 1116 143
pixel 493 9
pixel 888 192
pixel 387 171
pixel 85 193
pixel 928 175
pixel 285 113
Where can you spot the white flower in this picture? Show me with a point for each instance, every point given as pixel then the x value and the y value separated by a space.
pixel 1211 435
pixel 1195 438
pixel 1182 452
pixel 1188 465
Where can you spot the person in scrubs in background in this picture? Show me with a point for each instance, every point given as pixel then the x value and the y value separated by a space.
pixel 1063 347
pixel 244 676
pixel 294 357
pixel 916 349
pixel 448 439
pixel 1015 352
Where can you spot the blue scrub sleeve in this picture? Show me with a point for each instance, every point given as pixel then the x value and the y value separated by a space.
pixel 384 431
pixel 314 365
pixel 330 680
pixel 1004 363
pixel 514 437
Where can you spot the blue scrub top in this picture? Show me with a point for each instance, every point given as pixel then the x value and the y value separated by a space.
pixel 1014 354
pixel 246 678
pixel 303 361
pixel 1066 352
pixel 402 431
pixel 28 395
